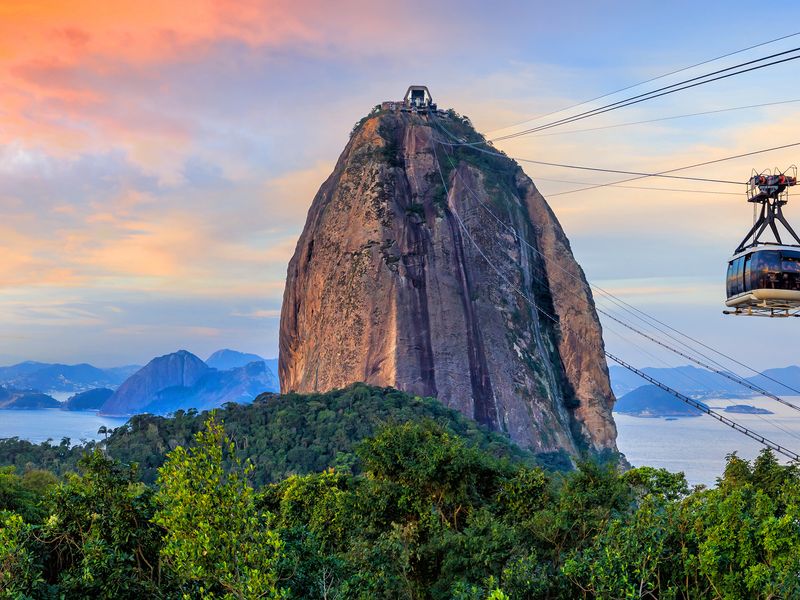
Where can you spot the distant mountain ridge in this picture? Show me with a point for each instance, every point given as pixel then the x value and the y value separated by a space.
pixel 63 378
pixel 216 388
pixel 788 375
pixel 181 380
pixel 702 383
pixel 179 369
pixel 652 401
pixel 175 381
pixel 231 359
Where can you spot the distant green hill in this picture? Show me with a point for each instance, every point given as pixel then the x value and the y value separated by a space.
pixel 25 399
pixel 652 401
pixel 281 434
pixel 88 400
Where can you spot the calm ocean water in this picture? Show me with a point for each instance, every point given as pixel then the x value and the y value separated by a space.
pixel 698 445
pixel 40 425
pixel 695 445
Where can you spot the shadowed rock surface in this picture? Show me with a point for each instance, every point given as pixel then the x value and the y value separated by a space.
pixel 385 287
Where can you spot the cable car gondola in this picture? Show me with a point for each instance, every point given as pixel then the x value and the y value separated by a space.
pixel 763 276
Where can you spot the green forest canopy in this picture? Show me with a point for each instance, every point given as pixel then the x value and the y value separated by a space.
pixel 281 434
pixel 416 510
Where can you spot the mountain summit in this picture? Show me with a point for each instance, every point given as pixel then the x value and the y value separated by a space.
pixel 231 359
pixel 387 287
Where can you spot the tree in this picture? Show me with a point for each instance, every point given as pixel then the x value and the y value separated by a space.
pixel 99 537
pixel 217 542
pixel 20 575
pixel 18 497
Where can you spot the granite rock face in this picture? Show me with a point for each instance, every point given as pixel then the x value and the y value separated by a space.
pixel 411 271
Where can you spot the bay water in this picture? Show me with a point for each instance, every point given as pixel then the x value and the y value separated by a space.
pixel 54 424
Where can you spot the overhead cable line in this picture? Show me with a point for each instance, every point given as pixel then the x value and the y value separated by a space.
pixel 662 173
pixel 694 403
pixel 659 92
pixel 700 343
pixel 691 378
pixel 730 376
pixel 640 187
pixel 621 172
pixel 639 175
pixel 673 117
pixel 623 89
pixel 722 372
pixel 703 408
pixel 629 187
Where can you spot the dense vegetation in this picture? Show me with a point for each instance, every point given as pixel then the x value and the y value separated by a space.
pixel 282 435
pixel 429 513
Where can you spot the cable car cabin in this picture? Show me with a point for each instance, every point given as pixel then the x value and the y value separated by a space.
pixel 765 280
pixel 764 276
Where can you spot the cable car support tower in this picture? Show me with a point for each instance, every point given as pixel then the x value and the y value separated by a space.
pixel 772 193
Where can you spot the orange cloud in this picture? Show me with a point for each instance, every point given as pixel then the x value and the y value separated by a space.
pixel 138 32
pixel 64 66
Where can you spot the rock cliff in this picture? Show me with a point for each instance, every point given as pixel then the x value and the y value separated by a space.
pixel 387 287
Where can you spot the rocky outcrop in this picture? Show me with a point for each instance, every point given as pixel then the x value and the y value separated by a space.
pixel 411 271
pixel 180 368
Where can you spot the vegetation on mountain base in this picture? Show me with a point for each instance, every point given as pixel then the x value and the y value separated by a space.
pixel 282 435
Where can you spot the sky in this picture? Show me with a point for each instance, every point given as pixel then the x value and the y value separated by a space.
pixel 157 159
